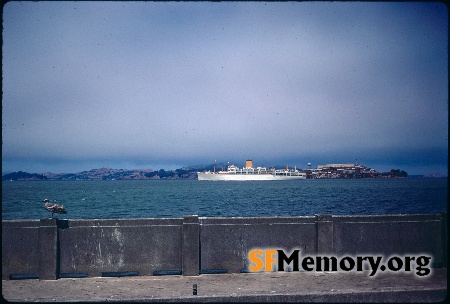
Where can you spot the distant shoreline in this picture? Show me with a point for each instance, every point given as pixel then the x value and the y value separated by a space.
pixel 122 174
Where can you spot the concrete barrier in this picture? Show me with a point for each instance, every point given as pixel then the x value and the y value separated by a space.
pixel 391 235
pixel 225 242
pixel 122 245
pixel 20 247
pixel 51 248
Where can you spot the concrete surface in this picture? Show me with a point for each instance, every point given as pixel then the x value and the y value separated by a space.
pixel 50 247
pixel 245 287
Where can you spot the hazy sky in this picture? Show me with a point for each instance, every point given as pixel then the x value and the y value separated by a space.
pixel 168 84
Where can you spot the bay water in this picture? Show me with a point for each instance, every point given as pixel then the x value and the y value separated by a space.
pixel 176 198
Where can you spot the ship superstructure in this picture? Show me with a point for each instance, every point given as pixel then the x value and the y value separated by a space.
pixel 248 172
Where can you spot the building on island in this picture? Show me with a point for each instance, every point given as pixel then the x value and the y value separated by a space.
pixel 341 171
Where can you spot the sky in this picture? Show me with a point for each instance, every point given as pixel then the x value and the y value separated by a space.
pixel 156 85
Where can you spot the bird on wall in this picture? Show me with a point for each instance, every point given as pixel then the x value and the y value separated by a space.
pixel 54 208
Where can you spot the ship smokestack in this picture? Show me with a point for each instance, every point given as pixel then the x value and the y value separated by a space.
pixel 248 163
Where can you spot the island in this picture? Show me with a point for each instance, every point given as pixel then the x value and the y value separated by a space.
pixel 328 171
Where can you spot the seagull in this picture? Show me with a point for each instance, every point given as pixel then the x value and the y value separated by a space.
pixel 54 208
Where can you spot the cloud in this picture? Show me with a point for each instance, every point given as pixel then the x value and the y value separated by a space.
pixel 177 83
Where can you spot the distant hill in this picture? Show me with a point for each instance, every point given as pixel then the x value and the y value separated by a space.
pixel 23 176
pixel 188 172
pixel 106 174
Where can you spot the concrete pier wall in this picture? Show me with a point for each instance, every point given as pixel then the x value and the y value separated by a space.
pixel 225 242
pixel 391 235
pixel 20 247
pixel 51 248
pixel 123 245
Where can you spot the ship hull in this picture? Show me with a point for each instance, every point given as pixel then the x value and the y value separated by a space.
pixel 246 177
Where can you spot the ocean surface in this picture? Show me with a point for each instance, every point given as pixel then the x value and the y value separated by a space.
pixel 176 198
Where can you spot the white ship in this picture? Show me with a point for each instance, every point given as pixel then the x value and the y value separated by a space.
pixel 248 173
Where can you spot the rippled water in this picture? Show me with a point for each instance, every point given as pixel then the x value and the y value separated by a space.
pixel 175 198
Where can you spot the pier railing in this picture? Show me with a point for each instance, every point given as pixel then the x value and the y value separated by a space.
pixel 50 248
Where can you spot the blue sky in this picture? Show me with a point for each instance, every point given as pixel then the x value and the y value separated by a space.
pixel 169 84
